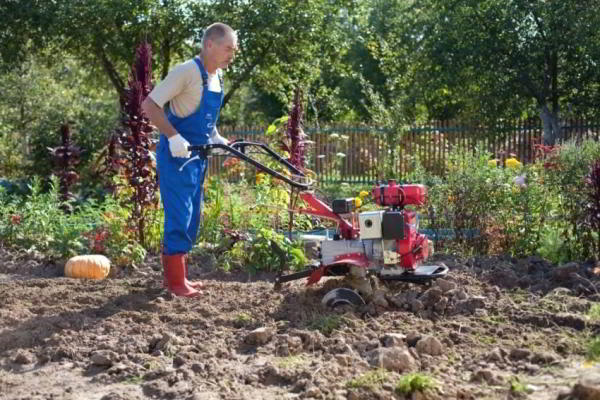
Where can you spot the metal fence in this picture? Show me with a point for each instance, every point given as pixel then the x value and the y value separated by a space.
pixel 364 154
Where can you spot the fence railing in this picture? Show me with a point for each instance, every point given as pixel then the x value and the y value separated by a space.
pixel 364 154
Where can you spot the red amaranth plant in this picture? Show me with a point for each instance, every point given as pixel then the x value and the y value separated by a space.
pixel 136 160
pixel 112 162
pixel 548 154
pixel 294 141
pixel 66 157
pixel 592 206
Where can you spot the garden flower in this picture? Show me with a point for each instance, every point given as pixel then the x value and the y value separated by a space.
pixel 493 163
pixel 230 162
pixel 363 194
pixel 520 181
pixel 357 202
pixel 513 163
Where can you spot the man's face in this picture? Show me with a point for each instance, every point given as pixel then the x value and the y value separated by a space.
pixel 224 50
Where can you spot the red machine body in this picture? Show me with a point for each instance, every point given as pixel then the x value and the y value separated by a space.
pixel 414 247
pixel 393 195
pixel 397 232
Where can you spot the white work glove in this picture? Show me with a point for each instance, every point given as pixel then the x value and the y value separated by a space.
pixel 215 138
pixel 179 146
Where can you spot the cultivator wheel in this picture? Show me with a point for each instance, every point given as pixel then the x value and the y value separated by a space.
pixel 342 296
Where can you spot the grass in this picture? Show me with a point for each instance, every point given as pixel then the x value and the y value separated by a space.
pixel 370 380
pixel 494 319
pixel 242 319
pixel 487 339
pixel 134 380
pixel 291 361
pixel 519 387
pixel 593 349
pixel 415 382
pixel 594 313
pixel 519 296
pixel 327 323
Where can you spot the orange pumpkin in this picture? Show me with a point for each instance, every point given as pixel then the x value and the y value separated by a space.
pixel 90 266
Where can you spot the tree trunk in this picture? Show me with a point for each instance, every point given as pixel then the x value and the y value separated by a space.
pixel 550 125
pixel 166 57
pixel 111 71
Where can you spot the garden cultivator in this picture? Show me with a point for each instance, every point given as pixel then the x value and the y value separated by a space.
pixel 385 243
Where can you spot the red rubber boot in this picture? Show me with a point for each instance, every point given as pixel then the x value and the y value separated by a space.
pixel 174 267
pixel 194 284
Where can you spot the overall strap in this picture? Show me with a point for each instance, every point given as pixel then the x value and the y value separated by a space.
pixel 202 71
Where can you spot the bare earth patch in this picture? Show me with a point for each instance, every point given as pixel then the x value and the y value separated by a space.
pixel 494 329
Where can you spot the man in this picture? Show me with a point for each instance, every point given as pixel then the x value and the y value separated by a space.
pixel 194 91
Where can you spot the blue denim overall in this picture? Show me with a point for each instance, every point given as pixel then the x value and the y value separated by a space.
pixel 181 180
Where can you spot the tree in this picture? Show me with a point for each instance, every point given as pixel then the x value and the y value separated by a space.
pixel 505 56
pixel 36 100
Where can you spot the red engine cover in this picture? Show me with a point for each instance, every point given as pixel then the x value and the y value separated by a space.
pixel 409 258
pixel 399 195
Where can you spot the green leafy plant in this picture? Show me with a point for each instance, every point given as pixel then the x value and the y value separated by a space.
pixel 470 200
pixel 369 380
pixel 571 165
pixel 292 361
pixel 593 349
pixel 272 251
pixel 519 387
pixel 415 382
pixel 328 323
pixel 36 222
pixel 594 312
pixel 592 206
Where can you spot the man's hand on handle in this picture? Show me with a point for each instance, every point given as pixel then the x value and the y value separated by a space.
pixel 179 146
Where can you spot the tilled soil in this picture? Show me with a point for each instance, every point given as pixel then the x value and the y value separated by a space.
pixel 493 329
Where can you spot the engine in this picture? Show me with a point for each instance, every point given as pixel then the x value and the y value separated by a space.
pixel 386 237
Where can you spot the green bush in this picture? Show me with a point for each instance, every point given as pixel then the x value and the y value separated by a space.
pixel 36 222
pixel 567 180
pixel 471 200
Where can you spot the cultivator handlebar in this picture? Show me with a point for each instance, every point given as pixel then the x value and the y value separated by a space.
pixel 205 149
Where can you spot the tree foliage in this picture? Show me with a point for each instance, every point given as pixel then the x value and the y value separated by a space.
pixel 506 58
pixel 388 61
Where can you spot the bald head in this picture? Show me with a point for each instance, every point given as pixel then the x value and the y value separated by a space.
pixel 219 45
pixel 217 32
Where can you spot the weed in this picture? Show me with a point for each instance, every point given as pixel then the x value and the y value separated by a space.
pixel 593 349
pixel 243 319
pixel 414 382
pixel 371 379
pixel 291 361
pixel 327 323
pixel 487 339
pixel 494 319
pixel 594 313
pixel 519 387
pixel 134 380
pixel 151 365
